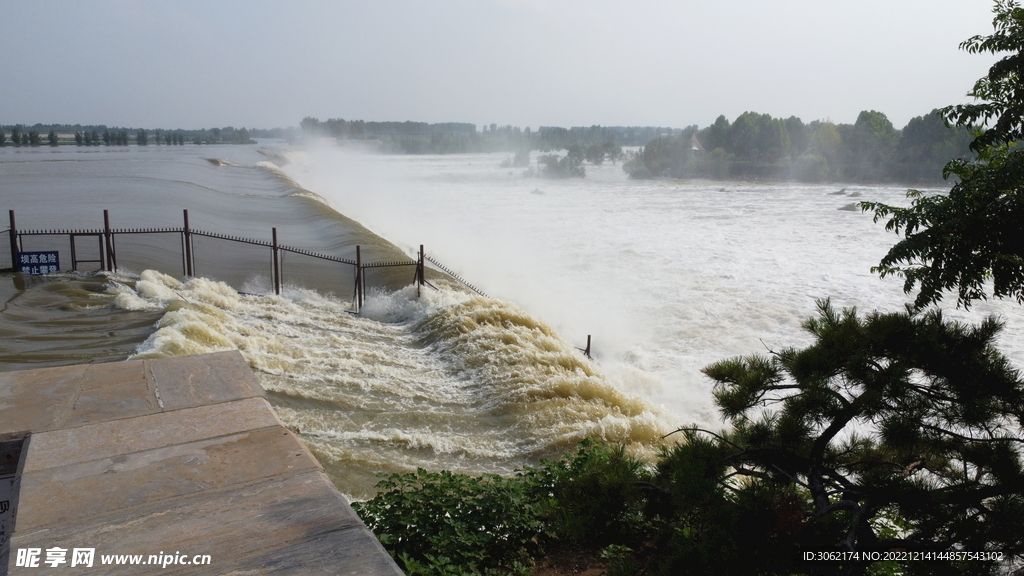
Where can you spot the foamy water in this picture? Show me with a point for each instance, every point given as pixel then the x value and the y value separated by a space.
pixel 667 276
pixel 446 380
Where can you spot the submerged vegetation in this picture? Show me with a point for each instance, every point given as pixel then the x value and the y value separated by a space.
pixel 890 445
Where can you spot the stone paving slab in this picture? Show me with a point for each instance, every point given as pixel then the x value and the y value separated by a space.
pixel 37 399
pixel 118 437
pixel 175 455
pixel 181 382
pixel 238 527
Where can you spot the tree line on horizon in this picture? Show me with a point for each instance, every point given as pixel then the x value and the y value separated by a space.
pixel 759 146
pixel 752 146
pixel 459 137
pixel 102 135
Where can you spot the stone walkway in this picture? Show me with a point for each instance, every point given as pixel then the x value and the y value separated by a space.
pixel 178 456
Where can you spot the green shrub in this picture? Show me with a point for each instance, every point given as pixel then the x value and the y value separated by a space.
pixel 444 523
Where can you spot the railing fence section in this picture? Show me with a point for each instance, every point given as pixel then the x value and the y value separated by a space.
pixel 103 253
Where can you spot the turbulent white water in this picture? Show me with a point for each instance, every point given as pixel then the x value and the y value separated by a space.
pixel 446 380
pixel 667 276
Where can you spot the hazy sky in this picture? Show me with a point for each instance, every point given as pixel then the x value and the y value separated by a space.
pixel 206 63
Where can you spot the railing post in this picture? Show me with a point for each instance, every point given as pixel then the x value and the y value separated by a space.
pixel 189 270
pixel 420 279
pixel 359 279
pixel 14 243
pixel 109 237
pixel 277 267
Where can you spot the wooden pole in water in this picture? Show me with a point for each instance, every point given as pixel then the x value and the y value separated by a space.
pixel 587 351
pixel 277 266
pixel 109 237
pixel 14 242
pixel 189 271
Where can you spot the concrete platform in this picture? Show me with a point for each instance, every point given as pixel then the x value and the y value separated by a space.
pixel 178 456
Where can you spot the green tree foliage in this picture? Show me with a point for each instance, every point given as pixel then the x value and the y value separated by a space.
pixel 906 413
pixel 1001 91
pixel 3 138
pixel 52 137
pixel 445 523
pixel 142 138
pixel 758 138
pixel 965 239
pixel 926 144
pixel 16 136
pixel 799 139
pixel 869 146
pixel 717 135
pixel 568 166
pixel 31 139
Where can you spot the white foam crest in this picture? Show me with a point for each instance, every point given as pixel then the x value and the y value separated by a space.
pixel 435 381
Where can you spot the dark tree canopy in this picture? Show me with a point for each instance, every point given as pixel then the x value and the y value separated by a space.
pixel 902 413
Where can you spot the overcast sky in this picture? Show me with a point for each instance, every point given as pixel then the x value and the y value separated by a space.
pixel 207 63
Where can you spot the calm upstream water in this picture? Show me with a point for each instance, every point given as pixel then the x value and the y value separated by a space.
pixel 667 277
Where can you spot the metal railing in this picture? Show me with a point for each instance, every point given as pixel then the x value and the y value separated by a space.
pixel 107 253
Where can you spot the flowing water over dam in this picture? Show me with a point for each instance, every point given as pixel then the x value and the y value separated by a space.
pixel 668 276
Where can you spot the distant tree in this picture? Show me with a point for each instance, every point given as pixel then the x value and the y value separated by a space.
pixel 568 166
pixel 52 136
pixel 156 137
pixel 79 139
pixel 926 143
pixel 827 143
pixel 141 137
pixel 243 136
pixel 595 154
pixel 95 138
pixel 799 140
pixel 16 136
pixel 758 138
pixel 168 138
pixel 25 141
pixel 107 139
pixel 308 124
pixel 716 135
pixel 3 138
pixel 870 147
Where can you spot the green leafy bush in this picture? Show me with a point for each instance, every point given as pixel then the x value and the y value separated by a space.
pixel 445 523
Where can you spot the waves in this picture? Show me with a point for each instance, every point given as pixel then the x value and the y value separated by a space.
pixel 448 380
